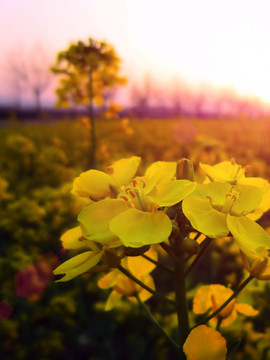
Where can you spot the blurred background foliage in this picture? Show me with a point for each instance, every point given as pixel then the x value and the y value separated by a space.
pixel 38 163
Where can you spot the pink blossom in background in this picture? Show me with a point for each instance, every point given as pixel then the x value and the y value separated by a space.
pixel 30 282
pixel 5 309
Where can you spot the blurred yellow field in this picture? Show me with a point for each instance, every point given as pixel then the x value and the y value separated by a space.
pixel 38 163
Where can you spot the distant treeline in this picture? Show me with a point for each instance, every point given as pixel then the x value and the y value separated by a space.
pixel 52 113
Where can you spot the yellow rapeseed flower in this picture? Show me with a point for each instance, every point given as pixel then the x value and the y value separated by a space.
pixel 217 209
pixel 124 286
pixel 97 185
pixel 137 217
pixel 258 265
pixel 234 174
pixel 211 297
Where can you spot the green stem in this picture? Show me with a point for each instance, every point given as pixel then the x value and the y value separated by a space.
pixel 93 159
pixel 219 323
pixel 157 263
pixel 139 282
pixel 154 321
pixel 204 246
pixel 237 291
pixel 180 294
pixel 168 250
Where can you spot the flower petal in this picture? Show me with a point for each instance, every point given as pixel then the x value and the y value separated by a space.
pixel 157 172
pixel 169 193
pixel 204 218
pixel 249 198
pixel 112 300
pixel 124 170
pixel 246 309
pixel 248 234
pixel 70 239
pixel 225 171
pixel 140 266
pixel 202 300
pixel 93 184
pixel 78 265
pixel 108 280
pixel 136 228
pixel 144 294
pixel 205 343
pixel 217 191
pixel 95 219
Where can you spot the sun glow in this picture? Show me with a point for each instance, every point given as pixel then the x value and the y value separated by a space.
pixel 224 44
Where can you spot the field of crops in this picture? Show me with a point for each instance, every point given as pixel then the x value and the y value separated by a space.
pixel 49 320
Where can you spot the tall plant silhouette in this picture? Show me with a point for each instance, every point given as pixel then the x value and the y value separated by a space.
pixel 88 71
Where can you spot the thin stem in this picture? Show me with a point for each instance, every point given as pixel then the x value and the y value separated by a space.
pixel 157 263
pixel 139 282
pixel 197 236
pixel 181 302
pixel 155 321
pixel 168 250
pixel 219 323
pixel 180 294
pixel 199 256
pixel 93 159
pixel 237 291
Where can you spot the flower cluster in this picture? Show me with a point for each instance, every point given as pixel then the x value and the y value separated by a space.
pixel 127 216
pixel 123 211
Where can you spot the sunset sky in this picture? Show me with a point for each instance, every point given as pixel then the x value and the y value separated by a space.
pixel 223 43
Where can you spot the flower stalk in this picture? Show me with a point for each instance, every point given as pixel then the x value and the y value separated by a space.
pixel 180 294
pixel 139 282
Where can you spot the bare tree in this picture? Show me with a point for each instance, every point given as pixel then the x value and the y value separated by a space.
pixel 30 71
pixel 142 95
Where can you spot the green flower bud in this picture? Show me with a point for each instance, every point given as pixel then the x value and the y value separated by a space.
pixel 185 170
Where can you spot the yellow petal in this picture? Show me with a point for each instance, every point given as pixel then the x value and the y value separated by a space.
pixel 113 299
pixel 78 265
pixel 202 300
pixel 95 219
pixel 205 343
pixel 266 274
pixel 136 228
pixel 204 218
pixel 93 184
pixel 169 193
pixel 217 191
pixel 158 172
pixel 225 171
pixel 144 294
pixel 108 280
pixel 124 170
pixel 70 239
pixel 248 234
pixel 265 202
pixel 225 321
pixel 249 198
pixel 246 309
pixel 219 295
pixel 124 285
pixel 139 266
pixel 255 181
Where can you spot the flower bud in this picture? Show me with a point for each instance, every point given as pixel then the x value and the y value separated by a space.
pixel 190 246
pixel 185 170
pixel 130 251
